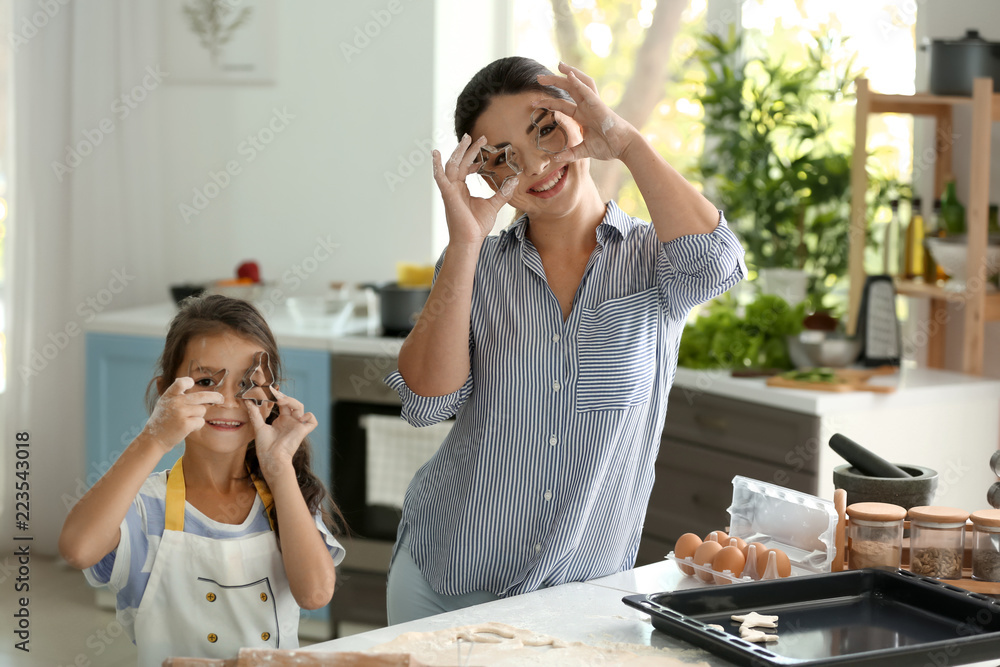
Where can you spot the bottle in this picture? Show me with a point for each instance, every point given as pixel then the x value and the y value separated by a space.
pixel 952 211
pixel 889 267
pixel 932 272
pixel 913 262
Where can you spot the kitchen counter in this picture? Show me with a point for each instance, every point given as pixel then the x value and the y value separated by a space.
pixel 591 612
pixel 354 338
pixel 914 387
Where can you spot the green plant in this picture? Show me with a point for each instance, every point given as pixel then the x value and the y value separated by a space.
pixel 773 160
pixel 721 338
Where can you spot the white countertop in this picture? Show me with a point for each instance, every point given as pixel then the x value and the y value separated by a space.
pixel 915 387
pixel 590 612
pixel 353 338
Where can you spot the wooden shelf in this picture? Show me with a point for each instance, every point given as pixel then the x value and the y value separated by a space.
pixel 924 104
pixel 978 306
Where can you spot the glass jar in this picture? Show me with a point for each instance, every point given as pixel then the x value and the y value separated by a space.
pixel 937 541
pixel 986 545
pixel 875 537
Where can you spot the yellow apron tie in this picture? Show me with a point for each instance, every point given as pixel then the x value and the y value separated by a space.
pixel 174 512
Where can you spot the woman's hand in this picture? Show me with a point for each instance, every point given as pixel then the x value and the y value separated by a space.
pixel 470 219
pixel 278 441
pixel 606 136
pixel 177 414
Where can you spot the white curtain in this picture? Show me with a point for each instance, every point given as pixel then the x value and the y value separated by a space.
pixel 84 225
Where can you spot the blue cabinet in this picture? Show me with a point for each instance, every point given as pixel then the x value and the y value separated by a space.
pixel 120 367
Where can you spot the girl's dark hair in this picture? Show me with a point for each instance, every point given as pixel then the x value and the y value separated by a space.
pixel 507 76
pixel 215 314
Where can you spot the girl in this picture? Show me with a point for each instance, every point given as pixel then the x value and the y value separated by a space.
pixel 195 556
pixel 554 344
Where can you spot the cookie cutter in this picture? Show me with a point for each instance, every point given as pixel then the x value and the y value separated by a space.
pixel 551 138
pixel 262 363
pixel 486 156
pixel 199 374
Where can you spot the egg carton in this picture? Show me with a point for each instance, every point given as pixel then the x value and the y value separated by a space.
pixel 726 576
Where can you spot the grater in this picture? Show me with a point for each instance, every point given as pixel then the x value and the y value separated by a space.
pixel 878 326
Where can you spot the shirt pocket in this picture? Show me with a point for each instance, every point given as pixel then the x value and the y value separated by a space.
pixel 617 348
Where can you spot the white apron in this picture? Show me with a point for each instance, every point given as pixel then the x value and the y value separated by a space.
pixel 207 597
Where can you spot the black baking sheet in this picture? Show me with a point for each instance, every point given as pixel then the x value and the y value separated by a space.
pixel 858 617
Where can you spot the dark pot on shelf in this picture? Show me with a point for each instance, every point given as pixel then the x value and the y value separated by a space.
pixel 399 307
pixel 955 63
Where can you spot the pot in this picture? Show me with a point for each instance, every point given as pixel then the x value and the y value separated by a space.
pixel 399 307
pixel 955 63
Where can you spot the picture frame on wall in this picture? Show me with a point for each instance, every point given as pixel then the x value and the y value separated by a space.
pixel 219 41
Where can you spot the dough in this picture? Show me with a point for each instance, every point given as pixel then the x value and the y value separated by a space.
pixel 753 635
pixel 755 620
pixel 503 645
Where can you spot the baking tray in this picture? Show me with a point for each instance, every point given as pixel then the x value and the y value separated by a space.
pixel 857 617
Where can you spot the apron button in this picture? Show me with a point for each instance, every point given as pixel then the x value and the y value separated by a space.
pixel 212 637
pixel 210 597
pixel 265 635
pixel 263 597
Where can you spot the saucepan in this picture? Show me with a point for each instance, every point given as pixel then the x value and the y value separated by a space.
pixel 955 63
pixel 399 307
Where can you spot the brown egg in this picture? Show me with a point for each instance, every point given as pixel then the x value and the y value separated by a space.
pixel 704 555
pixel 740 544
pixel 730 558
pixel 784 564
pixel 761 558
pixel 686 545
pixel 720 536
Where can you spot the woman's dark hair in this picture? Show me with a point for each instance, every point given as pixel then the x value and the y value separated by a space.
pixel 507 76
pixel 215 314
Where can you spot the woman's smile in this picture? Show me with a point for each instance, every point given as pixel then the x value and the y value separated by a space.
pixel 551 185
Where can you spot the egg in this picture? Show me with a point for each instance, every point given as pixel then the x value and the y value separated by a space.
pixel 704 555
pixel 761 558
pixel 719 536
pixel 685 546
pixel 731 559
pixel 783 563
pixel 740 544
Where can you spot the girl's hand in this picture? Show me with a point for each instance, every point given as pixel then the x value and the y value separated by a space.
pixel 278 441
pixel 470 219
pixel 177 414
pixel 606 136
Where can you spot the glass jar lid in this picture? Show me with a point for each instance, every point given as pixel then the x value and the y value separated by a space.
pixel 935 514
pixel 986 518
pixel 876 512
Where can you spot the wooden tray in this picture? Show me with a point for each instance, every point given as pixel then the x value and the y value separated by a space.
pixel 966 582
pixel 849 379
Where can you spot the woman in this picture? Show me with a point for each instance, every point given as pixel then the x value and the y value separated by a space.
pixel 554 344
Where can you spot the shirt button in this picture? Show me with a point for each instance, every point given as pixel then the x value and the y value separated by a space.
pixel 548 496
pixel 212 637
pixel 265 635
pixel 553 440
pixel 555 386
pixel 210 597
pixel 555 338
pixel 538 547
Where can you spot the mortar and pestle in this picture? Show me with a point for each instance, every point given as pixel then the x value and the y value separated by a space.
pixel 870 478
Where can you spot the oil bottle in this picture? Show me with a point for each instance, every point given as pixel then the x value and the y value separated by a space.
pixel 913 254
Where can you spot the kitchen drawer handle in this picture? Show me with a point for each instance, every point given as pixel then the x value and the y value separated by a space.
pixel 712 422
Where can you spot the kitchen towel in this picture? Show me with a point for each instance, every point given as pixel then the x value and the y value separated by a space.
pixel 396 451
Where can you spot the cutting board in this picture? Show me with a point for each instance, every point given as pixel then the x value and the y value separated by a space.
pixel 850 379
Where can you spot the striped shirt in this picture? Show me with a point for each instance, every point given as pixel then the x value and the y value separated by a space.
pixel 546 475
pixel 126 570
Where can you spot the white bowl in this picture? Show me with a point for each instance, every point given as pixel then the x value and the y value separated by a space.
pixel 326 312
pixel 950 253
pixel 813 349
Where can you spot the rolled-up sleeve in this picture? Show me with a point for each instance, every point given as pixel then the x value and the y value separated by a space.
pixel 699 267
pixel 427 410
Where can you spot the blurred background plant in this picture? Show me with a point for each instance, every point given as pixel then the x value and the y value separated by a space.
pixel 775 160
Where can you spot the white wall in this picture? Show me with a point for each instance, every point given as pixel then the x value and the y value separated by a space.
pixel 949 19
pixel 357 117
